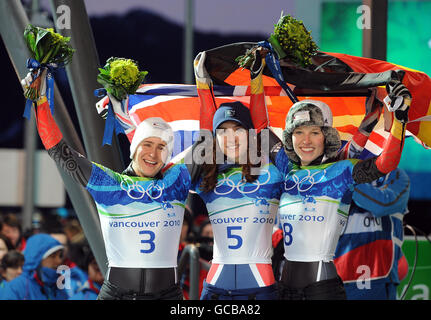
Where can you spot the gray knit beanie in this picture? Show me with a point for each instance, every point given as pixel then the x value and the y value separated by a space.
pixel 311 113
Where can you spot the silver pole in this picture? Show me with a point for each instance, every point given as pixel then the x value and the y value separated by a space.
pixel 13 21
pixel 190 255
pixel 194 273
pixel 30 183
pixel 188 42
pixel 12 17
pixel 82 73
pixel 30 147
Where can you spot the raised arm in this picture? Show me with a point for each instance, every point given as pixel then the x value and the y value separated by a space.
pixel 390 196
pixel 196 155
pixel 258 109
pixel 67 158
pixel 374 168
pixel 353 148
pixel 204 88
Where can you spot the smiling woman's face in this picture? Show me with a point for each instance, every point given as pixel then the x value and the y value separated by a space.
pixel 232 139
pixel 308 143
pixel 150 156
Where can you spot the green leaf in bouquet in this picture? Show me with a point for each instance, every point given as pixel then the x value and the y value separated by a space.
pixel 247 60
pixel 41 33
pixel 47 46
pixel 30 34
pixel 118 92
pixel 30 38
pixel 104 77
pixel 60 52
pixel 276 46
pixel 106 84
pixel 104 72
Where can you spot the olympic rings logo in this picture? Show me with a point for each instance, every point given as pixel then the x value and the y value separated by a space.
pixel 129 185
pixel 297 182
pixel 241 183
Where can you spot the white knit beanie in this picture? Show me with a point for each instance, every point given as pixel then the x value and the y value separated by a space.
pixel 154 127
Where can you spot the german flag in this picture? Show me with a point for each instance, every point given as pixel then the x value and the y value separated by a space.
pixel 342 81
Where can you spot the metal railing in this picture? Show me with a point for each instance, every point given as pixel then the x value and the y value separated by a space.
pixel 191 257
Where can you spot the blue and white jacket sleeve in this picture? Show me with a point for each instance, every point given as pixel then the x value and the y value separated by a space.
pixel 390 194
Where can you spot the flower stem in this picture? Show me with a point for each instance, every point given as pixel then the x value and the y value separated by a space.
pixel 51 52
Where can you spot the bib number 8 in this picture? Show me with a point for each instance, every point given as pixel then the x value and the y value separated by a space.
pixel 287 231
pixel 236 237
pixel 150 241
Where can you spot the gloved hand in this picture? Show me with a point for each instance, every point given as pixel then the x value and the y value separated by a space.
pixel 201 74
pixel 117 105
pixel 398 100
pixel 34 84
pixel 258 110
pixel 205 92
pixel 26 82
pixel 258 63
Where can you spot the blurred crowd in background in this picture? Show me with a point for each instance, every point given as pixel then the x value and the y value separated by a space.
pixel 86 279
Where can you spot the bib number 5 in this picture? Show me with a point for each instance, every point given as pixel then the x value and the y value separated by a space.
pixel 236 237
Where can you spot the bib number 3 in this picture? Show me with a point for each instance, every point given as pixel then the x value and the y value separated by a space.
pixel 149 241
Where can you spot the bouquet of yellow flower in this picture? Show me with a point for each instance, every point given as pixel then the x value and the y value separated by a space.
pixel 290 40
pixel 49 50
pixel 121 77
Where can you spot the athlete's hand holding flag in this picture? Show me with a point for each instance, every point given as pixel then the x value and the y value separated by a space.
pixel 398 100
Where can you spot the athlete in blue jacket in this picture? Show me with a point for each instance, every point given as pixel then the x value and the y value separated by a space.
pixel 90 288
pixel 317 195
pixel 43 254
pixel 241 188
pixel 141 210
pixel 369 250
pixel 242 202
pixel 317 191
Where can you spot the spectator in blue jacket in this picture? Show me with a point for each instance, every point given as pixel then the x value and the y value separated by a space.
pixel 39 280
pixel 90 289
pixel 369 258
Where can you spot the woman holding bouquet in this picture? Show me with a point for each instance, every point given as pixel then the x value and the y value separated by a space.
pixel 141 212
pixel 317 190
pixel 241 189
